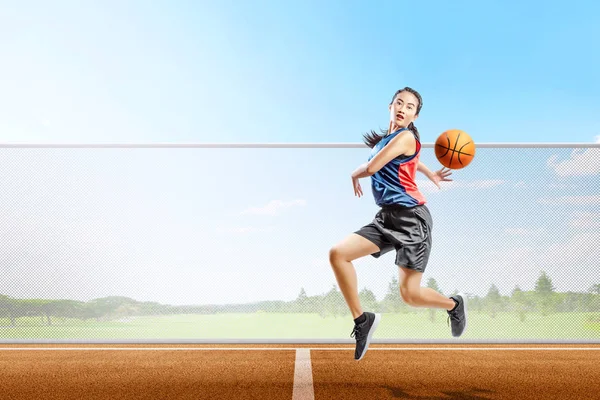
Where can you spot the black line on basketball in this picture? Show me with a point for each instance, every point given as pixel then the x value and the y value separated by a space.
pixel 458 151
pixel 447 148
pixel 454 149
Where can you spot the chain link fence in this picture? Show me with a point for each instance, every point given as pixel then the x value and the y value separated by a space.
pixel 231 244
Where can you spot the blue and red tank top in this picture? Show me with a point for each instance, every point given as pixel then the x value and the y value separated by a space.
pixel 394 184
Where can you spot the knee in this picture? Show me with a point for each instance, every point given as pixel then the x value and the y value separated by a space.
pixel 336 253
pixel 409 295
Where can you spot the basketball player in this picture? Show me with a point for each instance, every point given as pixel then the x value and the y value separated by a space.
pixel 403 222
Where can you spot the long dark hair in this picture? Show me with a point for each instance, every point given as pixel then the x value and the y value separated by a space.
pixel 372 138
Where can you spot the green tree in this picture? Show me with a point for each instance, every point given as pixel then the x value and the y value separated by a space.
pixel 334 303
pixel 432 284
pixel 392 301
pixel 545 294
pixel 33 308
pixel 493 301
pixel 8 309
pixel 368 301
pixel 521 303
pixel 301 301
pixel 61 309
pixel 574 302
pixel 109 307
pixel 476 304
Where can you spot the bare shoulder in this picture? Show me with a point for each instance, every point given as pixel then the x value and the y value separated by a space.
pixel 406 137
pixel 404 143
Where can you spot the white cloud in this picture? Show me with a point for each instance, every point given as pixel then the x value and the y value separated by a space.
pixel 505 267
pixel 484 184
pixel 274 207
pixel 581 162
pixel 524 231
pixel 242 230
pixel 569 200
pixel 563 186
pixel 581 249
pixel 46 122
pixel 597 138
pixel 428 186
pixel 521 184
pixel 520 264
pixel 585 220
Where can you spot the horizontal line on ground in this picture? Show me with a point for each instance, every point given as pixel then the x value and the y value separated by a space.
pixel 294 348
pixel 298 341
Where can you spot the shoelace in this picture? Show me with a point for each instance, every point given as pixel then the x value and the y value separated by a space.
pixel 357 334
pixel 454 317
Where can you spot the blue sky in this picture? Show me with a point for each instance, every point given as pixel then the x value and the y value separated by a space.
pixel 235 71
pixel 185 226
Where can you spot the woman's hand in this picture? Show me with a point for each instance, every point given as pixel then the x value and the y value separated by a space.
pixel 357 189
pixel 441 176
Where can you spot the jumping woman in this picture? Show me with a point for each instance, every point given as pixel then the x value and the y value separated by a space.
pixel 403 222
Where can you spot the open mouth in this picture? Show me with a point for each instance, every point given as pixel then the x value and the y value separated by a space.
pixel 399 116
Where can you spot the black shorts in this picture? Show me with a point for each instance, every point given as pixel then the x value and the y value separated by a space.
pixel 405 229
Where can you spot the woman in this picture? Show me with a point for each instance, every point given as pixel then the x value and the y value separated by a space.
pixel 403 223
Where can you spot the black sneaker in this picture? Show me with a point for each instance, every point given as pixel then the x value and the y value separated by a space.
pixel 458 316
pixel 363 332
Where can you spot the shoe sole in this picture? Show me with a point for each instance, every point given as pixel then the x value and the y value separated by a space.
pixel 373 327
pixel 465 310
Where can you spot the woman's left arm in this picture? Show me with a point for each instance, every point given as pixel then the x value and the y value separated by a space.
pixel 437 176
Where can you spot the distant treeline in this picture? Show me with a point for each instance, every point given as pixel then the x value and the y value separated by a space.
pixel 543 299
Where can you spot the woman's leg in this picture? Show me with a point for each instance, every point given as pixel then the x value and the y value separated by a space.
pixel 416 296
pixel 341 256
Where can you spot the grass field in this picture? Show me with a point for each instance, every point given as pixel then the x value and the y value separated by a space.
pixel 567 326
pixel 307 326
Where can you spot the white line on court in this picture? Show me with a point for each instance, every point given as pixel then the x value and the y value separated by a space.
pixel 296 348
pixel 303 381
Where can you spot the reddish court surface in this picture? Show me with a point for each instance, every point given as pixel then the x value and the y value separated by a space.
pixel 166 371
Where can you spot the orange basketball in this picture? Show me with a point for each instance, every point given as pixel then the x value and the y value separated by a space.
pixel 454 149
